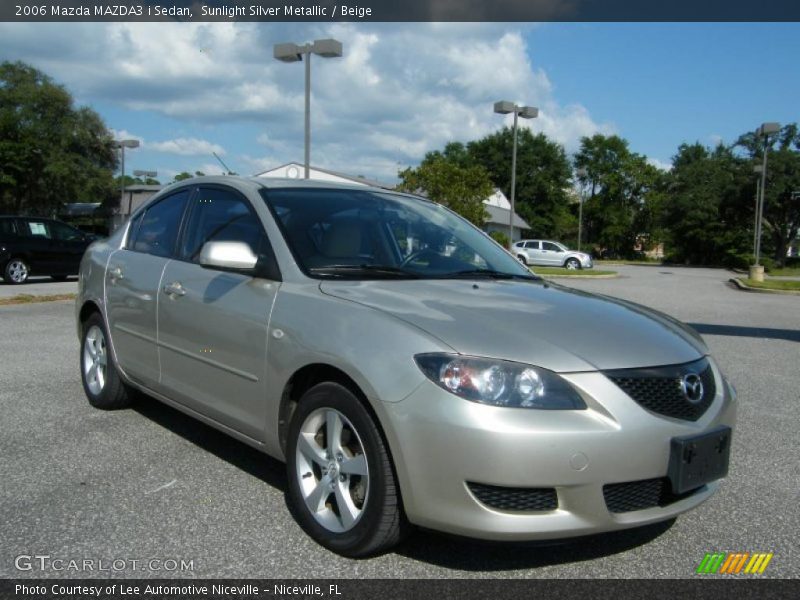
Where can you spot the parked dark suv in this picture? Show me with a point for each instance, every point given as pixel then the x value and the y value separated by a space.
pixel 38 246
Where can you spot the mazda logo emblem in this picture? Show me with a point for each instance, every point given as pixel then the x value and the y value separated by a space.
pixel 692 387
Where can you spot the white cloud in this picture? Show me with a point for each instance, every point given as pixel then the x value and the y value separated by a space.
pixel 660 164
pixel 399 91
pixel 187 147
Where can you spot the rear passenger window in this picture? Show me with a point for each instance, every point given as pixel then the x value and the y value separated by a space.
pixel 158 232
pixel 222 216
pixel 7 228
pixel 37 229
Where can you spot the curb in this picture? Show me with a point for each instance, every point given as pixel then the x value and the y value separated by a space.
pixel 741 285
pixel 614 276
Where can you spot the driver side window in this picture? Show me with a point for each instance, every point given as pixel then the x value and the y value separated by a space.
pixel 221 216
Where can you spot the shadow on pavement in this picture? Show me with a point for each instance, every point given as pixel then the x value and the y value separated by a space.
pixel 221 445
pixel 476 555
pixel 791 335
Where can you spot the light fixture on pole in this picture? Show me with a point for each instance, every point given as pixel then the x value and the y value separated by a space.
pixel 766 129
pixel 504 107
pixel 140 173
pixel 582 174
pixel 290 52
pixel 122 144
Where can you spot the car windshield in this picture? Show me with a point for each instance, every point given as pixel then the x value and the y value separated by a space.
pixel 364 234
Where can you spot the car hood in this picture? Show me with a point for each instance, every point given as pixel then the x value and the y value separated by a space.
pixel 547 325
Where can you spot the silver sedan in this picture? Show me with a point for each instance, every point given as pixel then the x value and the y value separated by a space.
pixel 407 369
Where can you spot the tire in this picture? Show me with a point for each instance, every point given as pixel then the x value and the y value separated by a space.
pixel 16 271
pixel 573 264
pixel 101 381
pixel 521 258
pixel 59 277
pixel 326 474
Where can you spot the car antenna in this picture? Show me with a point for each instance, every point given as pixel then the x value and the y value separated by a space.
pixel 227 170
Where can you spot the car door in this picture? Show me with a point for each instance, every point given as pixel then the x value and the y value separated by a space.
pixel 535 253
pixel 133 276
pixel 554 255
pixel 40 247
pixel 70 244
pixel 212 324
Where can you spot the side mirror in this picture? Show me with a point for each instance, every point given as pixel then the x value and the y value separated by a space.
pixel 228 256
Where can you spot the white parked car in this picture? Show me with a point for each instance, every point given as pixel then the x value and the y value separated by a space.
pixel 550 254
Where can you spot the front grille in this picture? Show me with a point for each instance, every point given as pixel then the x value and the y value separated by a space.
pixel 658 389
pixel 519 499
pixel 638 495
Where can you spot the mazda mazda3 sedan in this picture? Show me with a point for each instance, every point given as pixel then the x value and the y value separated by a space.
pixel 408 369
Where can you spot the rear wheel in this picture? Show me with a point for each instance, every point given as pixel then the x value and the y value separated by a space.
pixel 572 264
pixel 342 487
pixel 16 271
pixel 101 381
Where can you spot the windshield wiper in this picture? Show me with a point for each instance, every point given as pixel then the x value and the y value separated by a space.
pixel 492 274
pixel 380 270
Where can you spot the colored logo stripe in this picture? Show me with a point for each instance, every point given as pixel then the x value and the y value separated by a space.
pixel 731 563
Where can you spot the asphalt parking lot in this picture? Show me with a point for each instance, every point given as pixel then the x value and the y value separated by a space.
pixel 150 483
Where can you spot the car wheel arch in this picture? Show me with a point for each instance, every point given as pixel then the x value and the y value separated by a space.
pixel 302 380
pixel 89 307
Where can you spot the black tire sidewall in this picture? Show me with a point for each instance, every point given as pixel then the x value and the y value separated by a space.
pixel 107 396
pixel 333 395
pixel 573 261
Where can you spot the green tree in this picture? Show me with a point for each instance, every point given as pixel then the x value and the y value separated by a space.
pixel 50 151
pixel 622 188
pixel 461 188
pixel 542 181
pixel 782 200
pixel 709 210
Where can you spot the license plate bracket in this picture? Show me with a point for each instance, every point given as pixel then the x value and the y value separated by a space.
pixel 697 459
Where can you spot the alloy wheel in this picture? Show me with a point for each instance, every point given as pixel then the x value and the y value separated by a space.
pixel 332 471
pixel 95 360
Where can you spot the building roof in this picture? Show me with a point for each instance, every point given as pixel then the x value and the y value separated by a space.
pixel 285 170
pixel 78 209
pixel 500 216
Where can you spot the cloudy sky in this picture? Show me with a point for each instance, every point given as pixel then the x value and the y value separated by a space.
pixel 189 89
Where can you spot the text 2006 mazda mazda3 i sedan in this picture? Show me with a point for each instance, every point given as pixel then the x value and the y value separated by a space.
pixel 406 367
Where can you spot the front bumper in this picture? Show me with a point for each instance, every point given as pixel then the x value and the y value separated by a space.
pixel 440 442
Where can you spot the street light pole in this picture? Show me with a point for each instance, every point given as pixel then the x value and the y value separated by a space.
pixel 504 107
pixel 122 144
pixel 581 173
pixel 757 271
pixel 307 137
pixel 513 184
pixel 756 223
pixel 291 52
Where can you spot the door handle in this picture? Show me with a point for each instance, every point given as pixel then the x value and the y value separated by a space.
pixel 115 273
pixel 174 289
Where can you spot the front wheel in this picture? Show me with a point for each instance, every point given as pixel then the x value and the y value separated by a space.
pixel 572 264
pixel 101 381
pixel 521 258
pixel 342 487
pixel 16 271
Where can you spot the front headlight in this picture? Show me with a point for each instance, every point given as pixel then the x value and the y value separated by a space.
pixel 499 382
